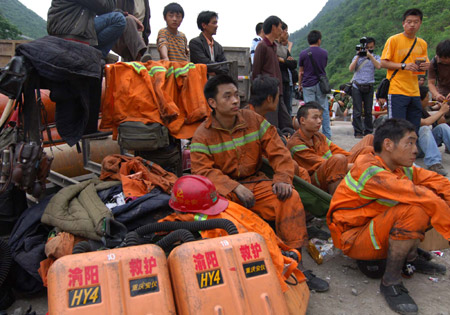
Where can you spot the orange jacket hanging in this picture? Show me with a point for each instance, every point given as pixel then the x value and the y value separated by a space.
pixel 151 92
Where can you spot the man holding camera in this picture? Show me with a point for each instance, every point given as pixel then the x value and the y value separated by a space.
pixel 364 65
pixel 405 57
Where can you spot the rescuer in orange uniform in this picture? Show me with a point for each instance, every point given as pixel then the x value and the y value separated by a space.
pixel 326 162
pixel 227 149
pixel 195 198
pixel 383 207
pixel 264 99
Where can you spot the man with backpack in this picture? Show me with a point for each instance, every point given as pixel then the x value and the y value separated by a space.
pixel 312 62
pixel 362 88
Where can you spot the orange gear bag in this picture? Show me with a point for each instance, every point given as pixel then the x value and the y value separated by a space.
pixel 226 275
pixel 132 280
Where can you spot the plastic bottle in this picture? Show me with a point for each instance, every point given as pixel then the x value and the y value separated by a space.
pixel 321 250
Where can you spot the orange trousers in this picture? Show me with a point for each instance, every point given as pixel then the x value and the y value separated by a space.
pixel 336 167
pixel 289 215
pixel 371 241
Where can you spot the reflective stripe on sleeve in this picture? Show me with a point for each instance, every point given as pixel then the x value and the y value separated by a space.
pixel 372 236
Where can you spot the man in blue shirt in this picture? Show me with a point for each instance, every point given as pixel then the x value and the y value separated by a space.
pixel 362 89
pixel 309 80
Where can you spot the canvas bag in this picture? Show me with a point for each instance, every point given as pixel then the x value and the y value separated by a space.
pixel 324 85
pixel 383 88
pixel 135 135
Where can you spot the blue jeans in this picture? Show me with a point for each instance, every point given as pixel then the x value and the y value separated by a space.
pixel 109 27
pixel 313 93
pixel 430 139
pixel 405 107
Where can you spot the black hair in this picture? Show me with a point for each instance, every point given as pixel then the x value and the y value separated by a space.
pixel 443 49
pixel 413 11
pixel 393 129
pixel 303 111
pixel 271 20
pixel 262 87
pixel 259 27
pixel 314 36
pixel 370 40
pixel 342 87
pixel 174 8
pixel 283 25
pixel 211 89
pixel 205 17
pixel 423 92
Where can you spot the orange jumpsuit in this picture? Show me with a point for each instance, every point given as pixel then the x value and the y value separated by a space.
pixel 247 221
pixel 316 155
pixel 169 93
pixel 298 170
pixel 373 204
pixel 229 158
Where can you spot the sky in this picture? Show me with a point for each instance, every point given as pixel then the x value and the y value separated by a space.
pixel 237 18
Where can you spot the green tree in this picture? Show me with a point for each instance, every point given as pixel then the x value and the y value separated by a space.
pixel 343 22
pixel 7 30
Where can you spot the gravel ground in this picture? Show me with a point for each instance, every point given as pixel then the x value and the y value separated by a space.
pixel 350 291
pixel 344 276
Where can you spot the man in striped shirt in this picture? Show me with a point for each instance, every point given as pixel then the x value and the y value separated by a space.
pixel 172 44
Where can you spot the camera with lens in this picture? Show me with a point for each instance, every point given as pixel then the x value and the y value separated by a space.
pixel 361 48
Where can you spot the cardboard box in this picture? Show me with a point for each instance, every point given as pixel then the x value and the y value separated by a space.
pixel 433 241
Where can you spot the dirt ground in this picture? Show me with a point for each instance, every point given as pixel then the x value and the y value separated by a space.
pixel 350 291
pixel 343 274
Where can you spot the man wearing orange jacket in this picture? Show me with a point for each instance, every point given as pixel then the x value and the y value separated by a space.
pixel 195 198
pixel 227 149
pixel 326 162
pixel 384 206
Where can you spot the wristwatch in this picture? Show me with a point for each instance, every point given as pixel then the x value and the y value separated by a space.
pixel 403 66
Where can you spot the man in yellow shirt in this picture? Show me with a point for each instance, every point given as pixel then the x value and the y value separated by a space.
pixel 404 96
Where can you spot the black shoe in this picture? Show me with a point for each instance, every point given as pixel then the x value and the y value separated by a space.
pixel 315 232
pixel 398 299
pixel 421 265
pixel 315 283
pixel 425 254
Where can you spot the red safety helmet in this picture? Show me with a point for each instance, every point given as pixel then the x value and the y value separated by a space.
pixel 195 193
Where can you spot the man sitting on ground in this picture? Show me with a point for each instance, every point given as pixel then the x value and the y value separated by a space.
pixel 342 104
pixel 204 49
pixel 172 44
pixel 432 133
pixel 227 149
pixel 384 207
pixel 326 162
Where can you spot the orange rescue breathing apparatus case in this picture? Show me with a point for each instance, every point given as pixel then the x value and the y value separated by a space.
pixel 132 280
pixel 226 275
